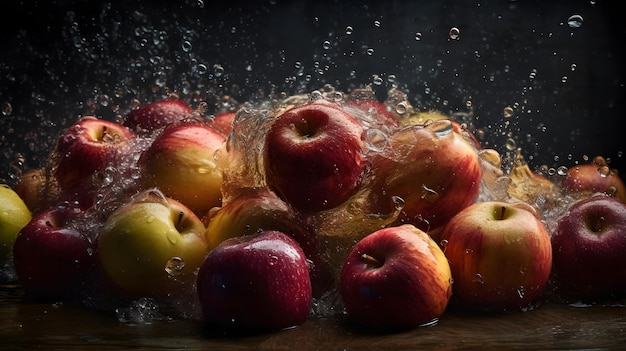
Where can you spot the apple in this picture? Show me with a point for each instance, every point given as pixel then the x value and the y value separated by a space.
pixel 589 249
pixel 157 115
pixel 255 283
pixel 313 156
pixel 395 278
pixel 500 256
pixel 14 215
pixel 151 246
pixel 259 209
pixel 429 170
pixel 53 254
pixel 180 162
pixel 86 147
pixel 223 122
pixel 31 187
pixel 586 179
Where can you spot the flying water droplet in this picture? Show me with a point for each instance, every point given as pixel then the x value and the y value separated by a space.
pixel 174 266
pixel 575 21
pixel 454 33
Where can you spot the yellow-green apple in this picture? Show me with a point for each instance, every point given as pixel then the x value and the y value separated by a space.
pixel 258 209
pixel 395 278
pixel 255 283
pixel 180 162
pixel 433 170
pixel 157 115
pixel 53 254
pixel 500 256
pixel 586 179
pixel 313 156
pixel 14 215
pixel 151 246
pixel 589 249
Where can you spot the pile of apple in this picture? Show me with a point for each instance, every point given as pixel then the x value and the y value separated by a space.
pixel 254 219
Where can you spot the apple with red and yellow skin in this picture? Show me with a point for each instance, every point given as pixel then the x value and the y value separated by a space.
pixel 313 156
pixel 86 147
pixel 595 177
pixel 500 256
pixel 180 162
pixel 395 278
pixel 53 254
pixel 151 246
pixel 258 209
pixel 14 215
pixel 255 283
pixel 433 170
pixel 157 115
pixel 588 248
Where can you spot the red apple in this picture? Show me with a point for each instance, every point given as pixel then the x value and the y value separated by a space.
pixel 429 171
pixel 53 254
pixel 589 249
pixel 395 278
pixel 584 180
pixel 223 122
pixel 500 256
pixel 255 282
pixel 157 115
pixel 313 156
pixel 151 246
pixel 31 188
pixel 180 162
pixel 86 147
pixel 259 209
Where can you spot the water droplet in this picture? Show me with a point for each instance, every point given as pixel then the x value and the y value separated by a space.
pixel 508 112
pixel 377 23
pixel 604 171
pixel 186 46
pixel 401 108
pixel 375 139
pixel 478 279
pixel 444 245
pixel 521 292
pixel 561 171
pixel 441 128
pixel 398 202
pixel 430 195
pixel 174 266
pixel 573 67
pixel 575 21
pixel 377 80
pixel 469 251
pixel 418 36
pixel 172 236
pixel 273 259
pixel 7 108
pixel 454 33
pixel 510 144
pixel 369 51
pixel 349 30
pixel 564 79
pixel 326 44
pixel 218 70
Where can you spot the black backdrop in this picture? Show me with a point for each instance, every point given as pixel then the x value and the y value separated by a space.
pixel 63 59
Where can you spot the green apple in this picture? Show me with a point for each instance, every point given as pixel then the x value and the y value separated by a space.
pixel 152 246
pixel 14 215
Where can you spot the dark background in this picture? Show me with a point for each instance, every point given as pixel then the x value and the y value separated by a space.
pixel 63 59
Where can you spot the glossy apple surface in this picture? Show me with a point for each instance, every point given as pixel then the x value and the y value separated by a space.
pixel 14 215
pixel 313 156
pixel 500 256
pixel 589 246
pixel 151 246
pixel 86 147
pixel 586 179
pixel 395 278
pixel 432 170
pixel 157 115
pixel 223 122
pixel 255 282
pixel 180 162
pixel 53 257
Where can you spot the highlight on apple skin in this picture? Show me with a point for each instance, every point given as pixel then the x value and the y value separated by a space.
pixel 500 256
pixel 395 278
pixel 255 283
pixel 589 250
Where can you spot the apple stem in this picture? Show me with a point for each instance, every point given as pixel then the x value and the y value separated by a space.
pixel 502 212
pixel 180 217
pixel 370 260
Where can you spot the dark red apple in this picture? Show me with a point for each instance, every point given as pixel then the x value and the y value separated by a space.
pixel 255 282
pixel 157 115
pixel 500 256
pixel 586 179
pixel 313 156
pixel 395 278
pixel 589 249
pixel 86 147
pixel 53 256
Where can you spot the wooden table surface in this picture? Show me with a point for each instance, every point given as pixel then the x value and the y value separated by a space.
pixel 70 326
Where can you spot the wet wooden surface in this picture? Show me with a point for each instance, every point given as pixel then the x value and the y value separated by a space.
pixel 70 326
